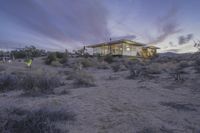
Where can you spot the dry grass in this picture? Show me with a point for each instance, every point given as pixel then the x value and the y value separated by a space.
pixel 83 79
pixel 39 83
pixel 8 82
pixel 16 120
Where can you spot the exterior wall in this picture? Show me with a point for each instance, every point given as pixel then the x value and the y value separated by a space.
pixel 118 49
pixel 103 50
pixel 130 50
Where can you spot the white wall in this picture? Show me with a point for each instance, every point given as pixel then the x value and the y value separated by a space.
pixel 130 50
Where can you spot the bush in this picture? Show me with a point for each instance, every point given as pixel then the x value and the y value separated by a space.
pixel 57 57
pixel 56 64
pixel 8 82
pixel 139 71
pixel 134 72
pixel 83 79
pixel 183 64
pixel 118 67
pixel 103 65
pixel 197 66
pixel 41 83
pixel 64 58
pixel 86 62
pixel 30 52
pixel 39 121
pixel 2 68
pixel 109 58
pixel 50 58
pixel 154 68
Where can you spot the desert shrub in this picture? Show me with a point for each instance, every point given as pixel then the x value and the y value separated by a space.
pixel 109 58
pixel 177 73
pixel 118 67
pixel 184 64
pixel 30 51
pixel 178 106
pixel 154 68
pixel 59 57
pixel 83 79
pixel 134 71
pixel 50 58
pixel 56 64
pixel 103 65
pixel 8 82
pixel 39 121
pixel 64 58
pixel 86 62
pixel 140 71
pixel 40 83
pixel 197 66
pixel 2 68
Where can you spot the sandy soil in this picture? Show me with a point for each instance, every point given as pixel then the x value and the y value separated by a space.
pixel 117 104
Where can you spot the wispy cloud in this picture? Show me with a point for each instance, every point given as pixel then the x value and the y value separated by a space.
pixel 167 25
pixel 185 39
pixel 61 20
pixel 129 37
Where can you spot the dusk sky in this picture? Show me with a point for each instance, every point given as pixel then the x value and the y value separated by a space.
pixel 171 25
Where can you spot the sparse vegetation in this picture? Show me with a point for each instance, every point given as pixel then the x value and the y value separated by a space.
pixel 197 66
pixel 50 58
pixel 83 79
pixel 57 58
pixel 39 83
pixel 103 65
pixel 109 58
pixel 2 69
pixel 8 82
pixel 87 62
pixel 40 121
pixel 178 106
pixel 28 52
pixel 30 83
pixel 118 67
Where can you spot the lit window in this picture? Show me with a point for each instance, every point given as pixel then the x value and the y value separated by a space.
pixel 128 49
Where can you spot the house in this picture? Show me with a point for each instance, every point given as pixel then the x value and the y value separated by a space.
pixel 122 47
pixel 148 51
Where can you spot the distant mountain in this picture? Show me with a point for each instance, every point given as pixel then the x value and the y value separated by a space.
pixel 168 54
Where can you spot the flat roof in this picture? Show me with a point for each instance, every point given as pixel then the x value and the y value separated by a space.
pixel 152 47
pixel 116 42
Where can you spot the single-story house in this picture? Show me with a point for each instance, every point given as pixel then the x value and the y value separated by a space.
pixel 122 47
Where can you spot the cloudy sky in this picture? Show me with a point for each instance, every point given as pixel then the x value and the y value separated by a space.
pixel 59 24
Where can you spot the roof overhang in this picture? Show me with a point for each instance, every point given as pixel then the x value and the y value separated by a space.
pixel 116 42
pixel 152 47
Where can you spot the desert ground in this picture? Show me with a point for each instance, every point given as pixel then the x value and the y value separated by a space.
pixel 122 96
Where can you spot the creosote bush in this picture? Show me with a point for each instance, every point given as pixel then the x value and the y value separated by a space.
pixel 103 65
pixel 197 66
pixel 8 82
pixel 50 58
pixel 39 83
pixel 2 69
pixel 87 62
pixel 40 121
pixel 109 58
pixel 59 57
pixel 83 79
pixel 116 67
pixel 154 68
pixel 139 70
